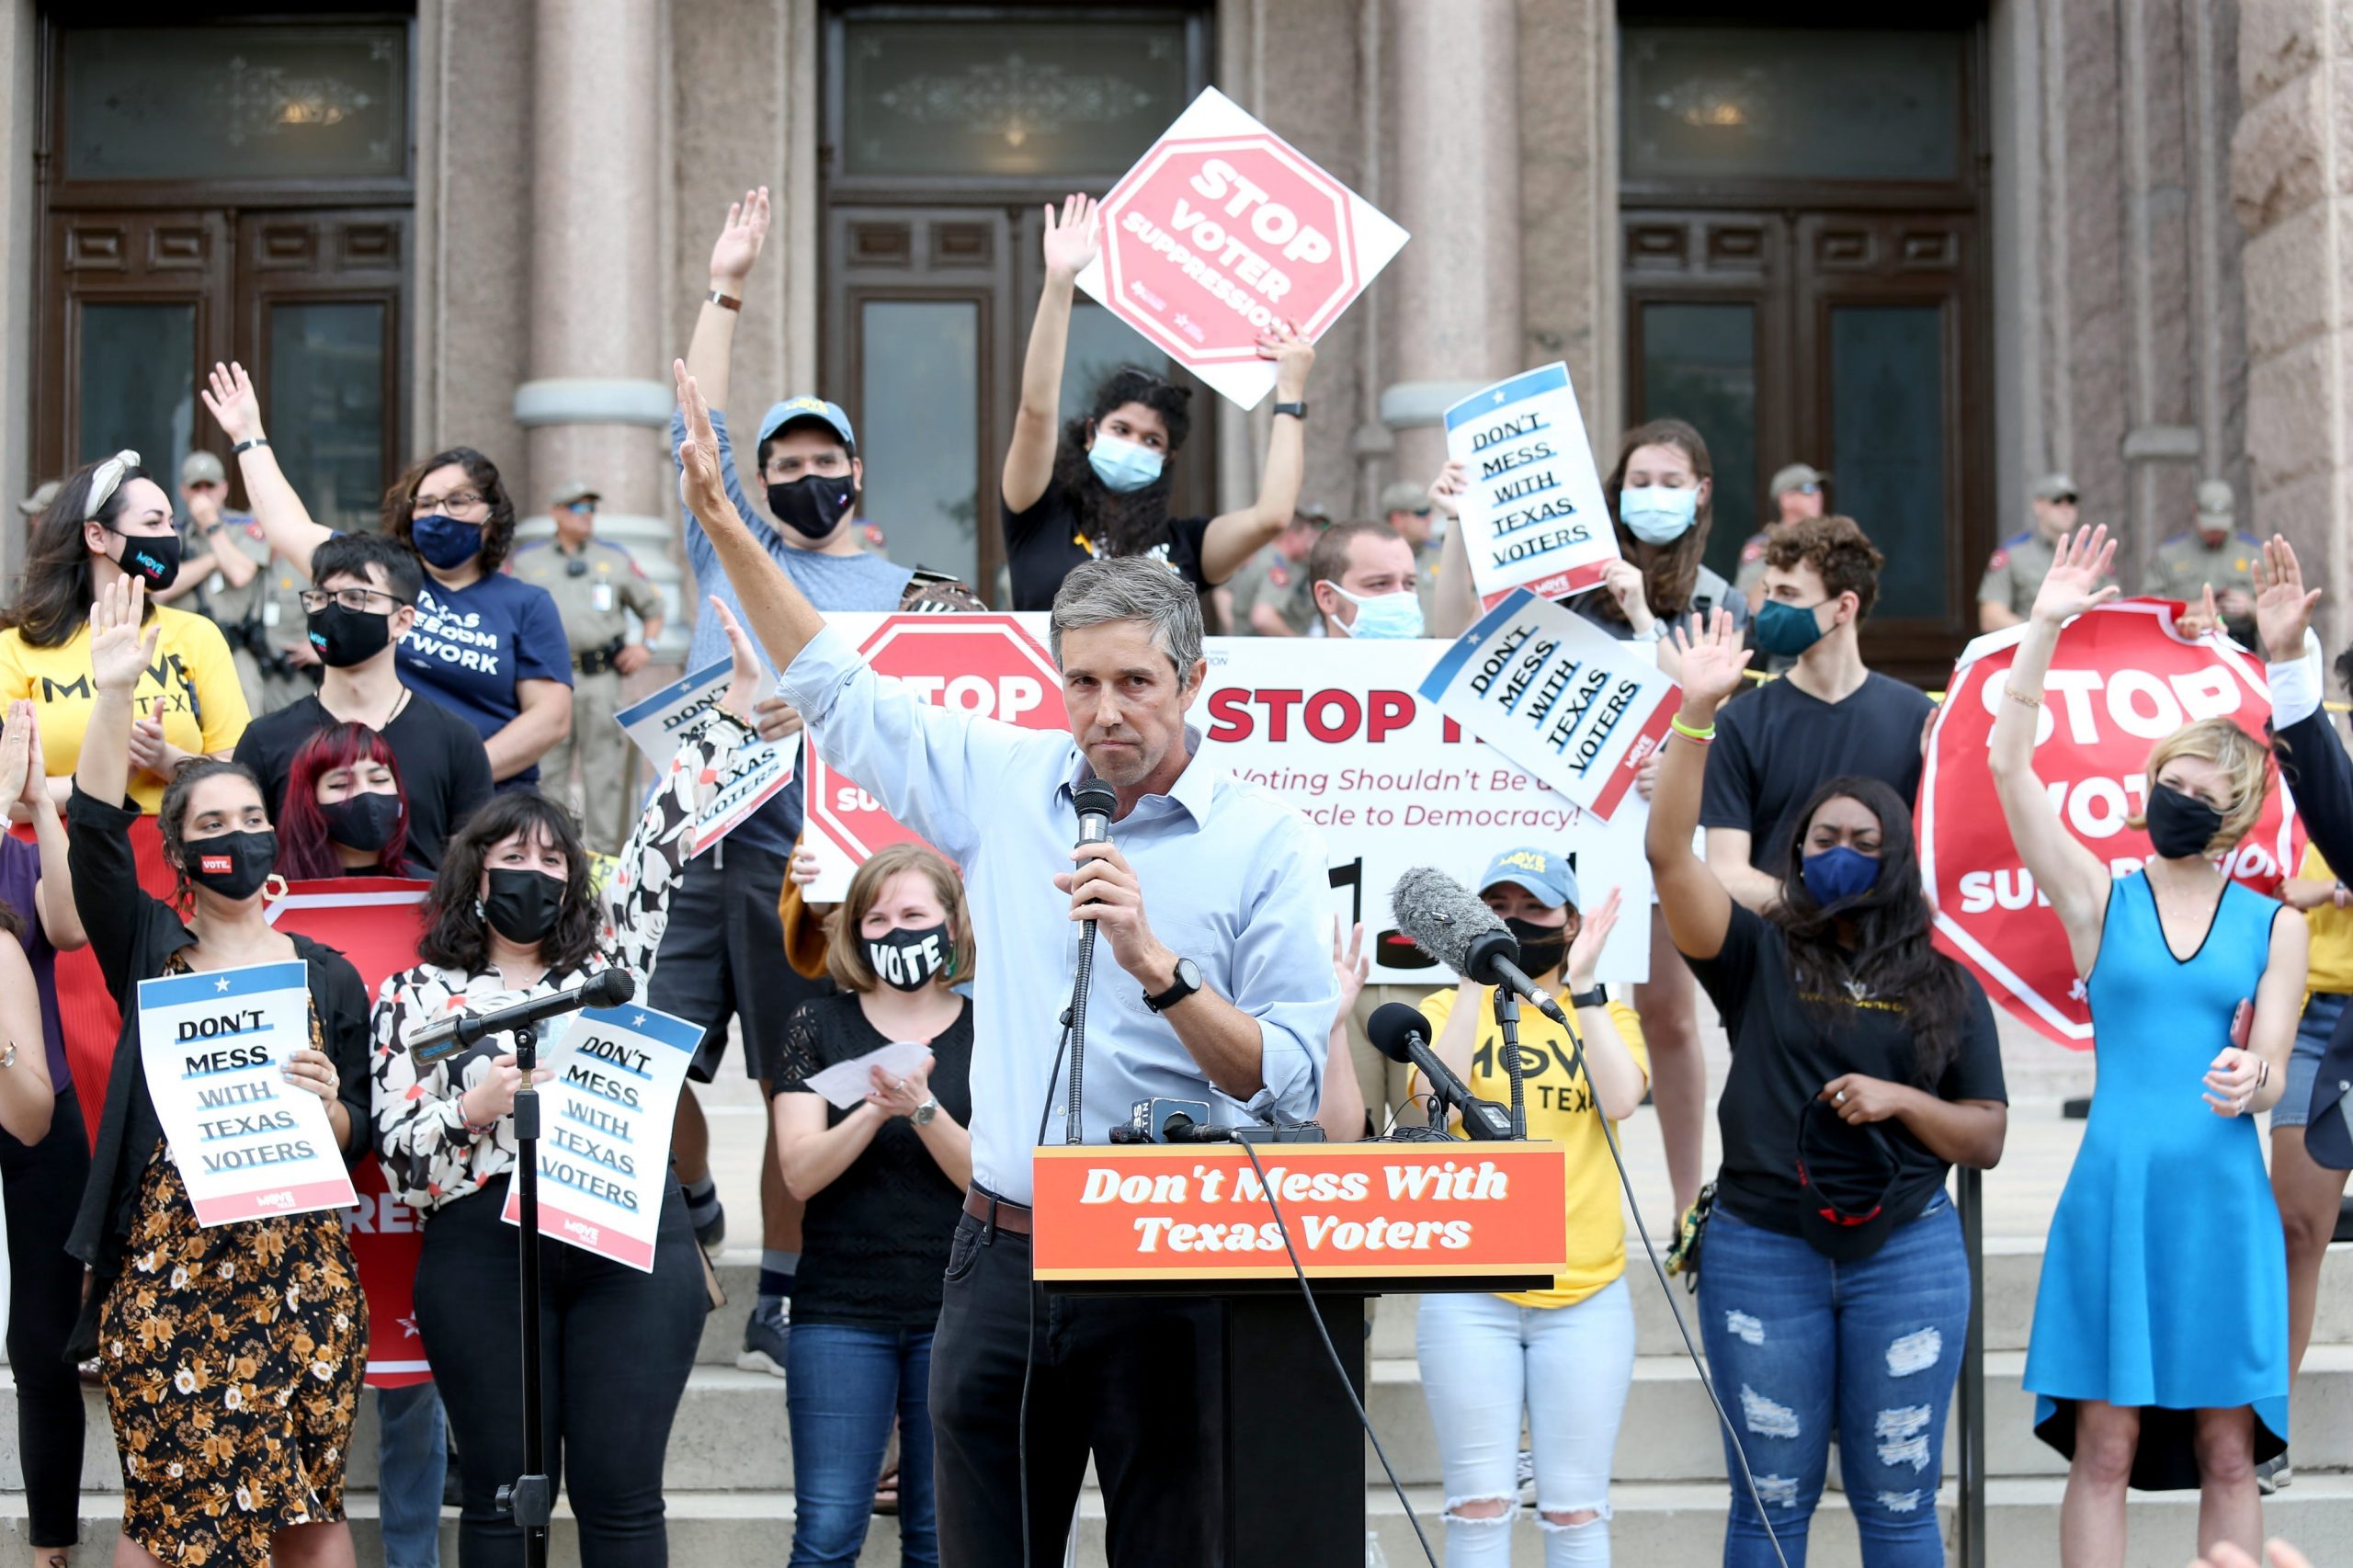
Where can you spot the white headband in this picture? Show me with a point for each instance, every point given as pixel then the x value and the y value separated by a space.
pixel 104 482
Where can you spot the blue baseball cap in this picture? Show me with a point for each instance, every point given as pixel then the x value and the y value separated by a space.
pixel 792 410
pixel 1543 872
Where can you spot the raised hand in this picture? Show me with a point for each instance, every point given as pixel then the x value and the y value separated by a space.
pixel 2283 606
pixel 119 651
pixel 1584 953
pixel 739 243
pixel 749 677
pixel 35 792
pixel 700 484
pixel 1071 241
pixel 229 392
pixel 16 753
pixel 1294 356
pixel 1352 967
pixel 2073 583
pixel 1448 489
pixel 1713 661
pixel 149 752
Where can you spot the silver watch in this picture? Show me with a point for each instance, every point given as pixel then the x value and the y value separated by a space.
pixel 8 1056
pixel 921 1116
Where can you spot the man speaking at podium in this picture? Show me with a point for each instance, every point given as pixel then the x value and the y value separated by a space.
pixel 1211 899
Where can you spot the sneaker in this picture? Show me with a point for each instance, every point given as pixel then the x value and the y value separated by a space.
pixel 713 1231
pixel 2273 1474
pixel 1527 1478
pixel 764 1333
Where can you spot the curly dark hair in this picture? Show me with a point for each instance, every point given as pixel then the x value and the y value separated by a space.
pixel 53 602
pixel 497 529
pixel 455 937
pixel 1835 546
pixel 172 813
pixel 1134 523
pixel 1893 954
pixel 1673 574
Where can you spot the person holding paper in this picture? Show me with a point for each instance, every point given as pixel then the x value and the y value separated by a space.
pixel 1098 485
pixel 883 1179
pixel 232 1354
pixel 515 914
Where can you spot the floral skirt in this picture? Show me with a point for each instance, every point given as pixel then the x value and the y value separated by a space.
pixel 232 1360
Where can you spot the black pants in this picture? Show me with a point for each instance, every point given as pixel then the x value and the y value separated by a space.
pixel 1139 1382
pixel 615 1347
pixel 722 956
pixel 44 1190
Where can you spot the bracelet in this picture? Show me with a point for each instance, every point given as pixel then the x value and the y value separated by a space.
pixel 249 446
pixel 1688 734
pixel 1649 636
pixel 2262 1072
pixel 724 302
pixel 2023 698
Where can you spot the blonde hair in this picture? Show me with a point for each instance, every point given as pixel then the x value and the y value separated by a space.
pixel 2245 762
pixel 846 949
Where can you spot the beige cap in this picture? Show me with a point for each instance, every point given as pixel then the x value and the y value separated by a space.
pixel 1313 513
pixel 33 505
pixel 1404 496
pixel 1792 477
pixel 2215 503
pixel 576 490
pixel 2054 487
pixel 200 467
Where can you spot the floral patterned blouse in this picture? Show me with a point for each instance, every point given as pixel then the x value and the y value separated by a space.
pixel 430 1158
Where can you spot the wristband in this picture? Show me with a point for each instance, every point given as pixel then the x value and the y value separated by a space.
pixel 1649 636
pixel 1688 734
pixel 724 302
pixel 249 446
pixel 480 1129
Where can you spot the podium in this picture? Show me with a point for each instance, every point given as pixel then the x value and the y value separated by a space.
pixel 1367 1220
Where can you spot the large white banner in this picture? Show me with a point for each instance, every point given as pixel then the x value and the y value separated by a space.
pixel 1335 729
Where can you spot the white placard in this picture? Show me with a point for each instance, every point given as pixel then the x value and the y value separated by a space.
pixel 215 1045
pixel 1533 517
pixel 753 774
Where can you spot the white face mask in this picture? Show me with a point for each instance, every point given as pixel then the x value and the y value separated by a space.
pixel 1656 514
pixel 1395 615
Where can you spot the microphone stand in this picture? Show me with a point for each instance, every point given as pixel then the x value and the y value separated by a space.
pixel 1507 1020
pixel 529 1499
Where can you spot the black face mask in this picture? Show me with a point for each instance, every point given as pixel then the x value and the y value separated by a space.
pixel 233 865
pixel 1541 948
pixel 814 506
pixel 362 821
pixel 153 560
pixel 522 906
pixel 349 637
pixel 2179 824
pixel 907 959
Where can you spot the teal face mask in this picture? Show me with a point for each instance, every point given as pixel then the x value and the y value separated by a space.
pixel 1384 615
pixel 1784 630
pixel 1122 466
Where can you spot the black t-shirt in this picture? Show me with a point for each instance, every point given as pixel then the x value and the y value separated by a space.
pixel 1776 745
pixel 1784 1051
pixel 1041 546
pixel 444 772
pixel 874 1240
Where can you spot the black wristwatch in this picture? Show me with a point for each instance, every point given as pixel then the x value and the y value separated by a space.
pixel 1296 410
pixel 1188 981
pixel 1597 997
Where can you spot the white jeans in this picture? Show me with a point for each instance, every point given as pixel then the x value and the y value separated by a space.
pixel 1483 1362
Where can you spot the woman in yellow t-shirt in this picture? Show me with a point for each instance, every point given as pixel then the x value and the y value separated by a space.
pixel 107 522
pixel 1566 1357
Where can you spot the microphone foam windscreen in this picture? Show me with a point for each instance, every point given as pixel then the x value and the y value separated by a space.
pixel 1440 915
pixel 615 986
pixel 1390 1024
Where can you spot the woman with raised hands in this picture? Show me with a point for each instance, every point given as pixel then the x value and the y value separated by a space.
pixel 513 915
pixel 230 1354
pixel 2159 1354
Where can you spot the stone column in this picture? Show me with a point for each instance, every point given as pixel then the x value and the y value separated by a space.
pixel 1453 305
pixel 2292 182
pixel 598 406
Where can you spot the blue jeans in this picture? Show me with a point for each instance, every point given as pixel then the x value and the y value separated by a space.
pixel 842 1386
pixel 412 1454
pixel 1796 1343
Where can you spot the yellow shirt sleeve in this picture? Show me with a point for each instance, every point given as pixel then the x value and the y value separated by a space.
pixel 212 672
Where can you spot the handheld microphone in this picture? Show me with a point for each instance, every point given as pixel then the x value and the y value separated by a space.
pixel 460 1031
pixel 1442 918
pixel 1402 1034
pixel 1095 801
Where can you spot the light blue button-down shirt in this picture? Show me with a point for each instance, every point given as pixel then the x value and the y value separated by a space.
pixel 1232 879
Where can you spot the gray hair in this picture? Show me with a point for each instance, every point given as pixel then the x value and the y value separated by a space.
pixel 1133 587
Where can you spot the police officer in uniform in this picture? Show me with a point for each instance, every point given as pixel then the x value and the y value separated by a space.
pixel 595 584
pixel 1798 490
pixel 2013 574
pixel 251 592
pixel 1268 596
pixel 2212 555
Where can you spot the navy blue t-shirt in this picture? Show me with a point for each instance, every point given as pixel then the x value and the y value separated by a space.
pixel 471 645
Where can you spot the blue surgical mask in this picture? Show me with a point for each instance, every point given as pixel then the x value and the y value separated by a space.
pixel 1122 465
pixel 1658 514
pixel 1839 873
pixel 445 542
pixel 1383 615
pixel 1784 630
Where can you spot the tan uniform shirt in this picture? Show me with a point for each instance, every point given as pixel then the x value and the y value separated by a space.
pixel 1270 577
pixel 594 600
pixel 2182 567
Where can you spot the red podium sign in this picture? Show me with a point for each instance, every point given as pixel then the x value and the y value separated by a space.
pixel 1354 1210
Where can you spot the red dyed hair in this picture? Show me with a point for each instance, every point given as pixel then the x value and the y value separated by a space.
pixel 305 848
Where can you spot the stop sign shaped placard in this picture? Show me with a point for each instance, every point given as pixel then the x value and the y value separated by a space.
pixel 986 665
pixel 1222 230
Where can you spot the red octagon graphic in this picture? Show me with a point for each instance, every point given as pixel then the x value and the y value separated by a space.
pixel 983 665
pixel 1211 241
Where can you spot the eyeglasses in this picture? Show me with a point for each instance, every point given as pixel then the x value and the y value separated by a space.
pixel 362 599
pixel 581 508
pixel 456 501
pixel 1808 488
pixel 2066 500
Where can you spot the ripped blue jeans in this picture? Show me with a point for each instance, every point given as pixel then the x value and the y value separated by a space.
pixel 1797 1343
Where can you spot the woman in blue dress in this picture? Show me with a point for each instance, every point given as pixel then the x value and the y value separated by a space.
pixel 2159 1357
